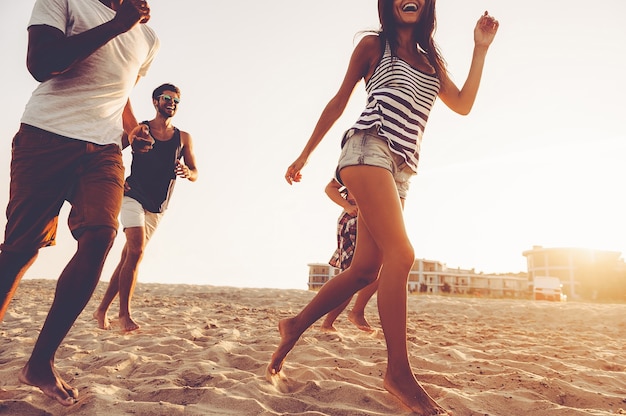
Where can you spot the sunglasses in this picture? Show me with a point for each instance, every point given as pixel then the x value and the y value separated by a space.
pixel 168 98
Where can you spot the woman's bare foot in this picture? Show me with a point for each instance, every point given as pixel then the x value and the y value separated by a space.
pixel 288 338
pixel 360 322
pixel 413 395
pixel 49 382
pixel 127 324
pixel 326 327
pixel 103 320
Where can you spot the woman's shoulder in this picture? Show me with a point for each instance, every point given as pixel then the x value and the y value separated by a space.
pixel 370 40
pixel 370 46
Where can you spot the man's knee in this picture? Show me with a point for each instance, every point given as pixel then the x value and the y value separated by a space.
pixel 134 253
pixel 97 238
pixel 13 265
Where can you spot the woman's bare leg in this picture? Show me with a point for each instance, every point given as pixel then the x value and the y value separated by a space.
pixel 362 271
pixel 329 321
pixel 381 220
pixel 357 314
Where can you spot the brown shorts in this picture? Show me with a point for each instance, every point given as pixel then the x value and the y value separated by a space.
pixel 47 170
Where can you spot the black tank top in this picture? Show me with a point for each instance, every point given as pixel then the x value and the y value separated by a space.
pixel 152 177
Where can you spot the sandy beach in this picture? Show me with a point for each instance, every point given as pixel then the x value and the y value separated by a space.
pixel 202 350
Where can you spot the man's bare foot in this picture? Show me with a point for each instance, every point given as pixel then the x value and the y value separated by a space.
pixel 413 395
pixel 50 384
pixel 127 324
pixel 103 320
pixel 288 338
pixel 360 322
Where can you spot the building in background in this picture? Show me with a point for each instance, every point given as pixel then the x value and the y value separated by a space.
pixel 320 273
pixel 585 274
pixel 433 277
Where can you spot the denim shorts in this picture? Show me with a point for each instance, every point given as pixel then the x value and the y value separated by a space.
pixel 366 148
pixel 134 215
pixel 48 169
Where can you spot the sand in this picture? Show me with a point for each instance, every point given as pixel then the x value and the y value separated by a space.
pixel 203 350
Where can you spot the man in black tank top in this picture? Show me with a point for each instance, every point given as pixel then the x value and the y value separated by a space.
pixel 147 192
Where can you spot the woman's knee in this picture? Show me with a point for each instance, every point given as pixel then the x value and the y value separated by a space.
pixel 365 274
pixel 402 256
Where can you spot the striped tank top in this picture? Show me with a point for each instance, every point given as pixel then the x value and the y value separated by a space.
pixel 399 100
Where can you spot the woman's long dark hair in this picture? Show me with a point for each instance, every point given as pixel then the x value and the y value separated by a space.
pixel 423 32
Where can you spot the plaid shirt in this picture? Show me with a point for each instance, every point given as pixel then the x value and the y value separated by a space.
pixel 346 241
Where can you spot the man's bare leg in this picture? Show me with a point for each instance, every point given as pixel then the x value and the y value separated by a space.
pixel 13 266
pixel 102 320
pixel 100 314
pixel 128 324
pixel 50 383
pixel 73 291
pixel 135 243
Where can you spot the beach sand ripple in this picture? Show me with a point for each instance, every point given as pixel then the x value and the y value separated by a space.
pixel 203 350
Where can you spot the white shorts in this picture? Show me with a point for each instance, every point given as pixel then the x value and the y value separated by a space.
pixel 133 215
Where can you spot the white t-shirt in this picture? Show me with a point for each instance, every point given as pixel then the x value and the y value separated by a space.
pixel 86 102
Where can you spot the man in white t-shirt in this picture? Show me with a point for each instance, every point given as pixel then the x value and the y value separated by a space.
pixel 87 56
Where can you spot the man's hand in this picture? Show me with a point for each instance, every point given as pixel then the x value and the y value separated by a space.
pixel 182 170
pixel 131 13
pixel 140 139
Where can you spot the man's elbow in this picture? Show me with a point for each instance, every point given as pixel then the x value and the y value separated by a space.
pixel 39 76
pixel 39 72
pixel 44 67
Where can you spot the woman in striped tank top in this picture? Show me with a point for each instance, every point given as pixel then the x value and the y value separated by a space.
pixel 404 74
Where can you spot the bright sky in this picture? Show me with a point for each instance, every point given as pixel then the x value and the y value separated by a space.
pixel 539 161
